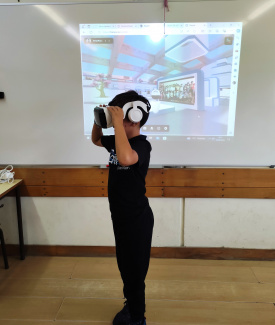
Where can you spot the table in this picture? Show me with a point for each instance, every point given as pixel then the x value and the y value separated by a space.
pixel 5 188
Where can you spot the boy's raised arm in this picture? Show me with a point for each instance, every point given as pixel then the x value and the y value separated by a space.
pixel 125 154
pixel 96 135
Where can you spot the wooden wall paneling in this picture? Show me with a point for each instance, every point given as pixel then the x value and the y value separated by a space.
pixel 167 182
pixel 208 192
pixel 220 177
pixel 76 176
pixel 154 177
pixel 249 193
pixel 154 191
pixel 64 191
pixel 63 176
pixel 208 177
pixel 30 175
pixel 249 177
pixel 192 192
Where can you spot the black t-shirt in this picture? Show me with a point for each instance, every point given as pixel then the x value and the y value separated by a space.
pixel 126 185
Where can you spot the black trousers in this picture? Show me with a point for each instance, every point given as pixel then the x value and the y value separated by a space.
pixel 133 237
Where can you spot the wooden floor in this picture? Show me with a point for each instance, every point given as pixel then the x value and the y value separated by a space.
pixel 88 291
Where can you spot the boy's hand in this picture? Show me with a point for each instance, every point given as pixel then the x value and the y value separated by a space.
pixel 117 114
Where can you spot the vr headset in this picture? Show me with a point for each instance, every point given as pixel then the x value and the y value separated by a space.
pixel 134 110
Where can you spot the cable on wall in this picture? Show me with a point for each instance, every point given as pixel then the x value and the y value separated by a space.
pixel 166 7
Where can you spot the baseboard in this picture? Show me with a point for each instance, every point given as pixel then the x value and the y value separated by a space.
pixel 207 253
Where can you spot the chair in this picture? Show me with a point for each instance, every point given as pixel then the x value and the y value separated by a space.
pixel 4 249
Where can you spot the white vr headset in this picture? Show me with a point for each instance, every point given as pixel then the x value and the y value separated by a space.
pixel 103 117
pixel 7 175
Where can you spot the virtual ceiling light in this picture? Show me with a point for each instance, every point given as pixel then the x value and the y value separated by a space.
pixel 189 48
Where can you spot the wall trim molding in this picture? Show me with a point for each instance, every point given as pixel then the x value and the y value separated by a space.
pixel 160 182
pixel 207 253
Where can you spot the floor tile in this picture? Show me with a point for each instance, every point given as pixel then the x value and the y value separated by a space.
pixel 210 291
pixel 201 273
pixel 41 267
pixel 88 309
pixel 36 322
pixel 26 322
pixel 171 312
pixel 62 288
pixel 264 274
pixel 155 289
pixel 91 270
pixel 88 291
pixel 29 308
pixel 98 260
pixel 81 323
pixel 209 313
pixel 12 264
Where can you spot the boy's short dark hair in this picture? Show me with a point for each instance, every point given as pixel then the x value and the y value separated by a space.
pixel 130 96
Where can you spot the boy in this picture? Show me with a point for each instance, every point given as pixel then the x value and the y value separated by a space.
pixel 131 214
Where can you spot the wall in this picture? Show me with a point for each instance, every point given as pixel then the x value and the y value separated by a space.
pixel 43 92
pixel 193 222
pixel 193 207
pixel 83 221
pixel 234 223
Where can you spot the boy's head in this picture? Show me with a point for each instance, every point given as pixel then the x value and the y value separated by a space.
pixel 122 100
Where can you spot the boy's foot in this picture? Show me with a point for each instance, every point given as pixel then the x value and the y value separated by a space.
pixel 123 317
pixel 141 322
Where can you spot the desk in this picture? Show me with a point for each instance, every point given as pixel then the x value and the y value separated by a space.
pixel 5 188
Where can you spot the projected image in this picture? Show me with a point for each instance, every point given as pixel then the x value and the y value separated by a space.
pixel 179 91
pixel 189 75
